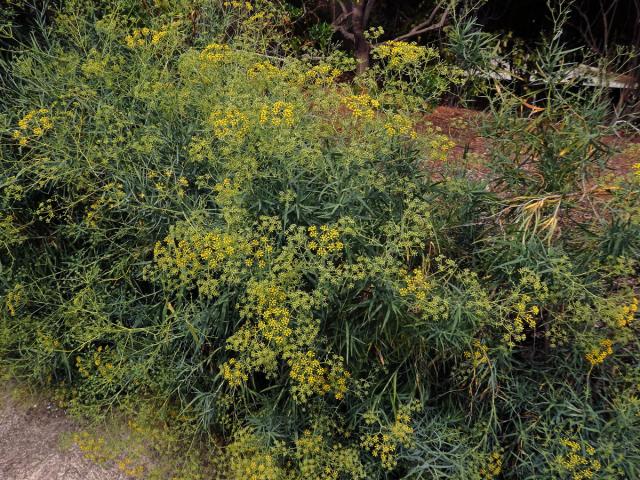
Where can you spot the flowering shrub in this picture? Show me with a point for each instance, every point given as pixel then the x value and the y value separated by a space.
pixel 191 214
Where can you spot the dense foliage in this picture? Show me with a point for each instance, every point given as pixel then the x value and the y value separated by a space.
pixel 192 216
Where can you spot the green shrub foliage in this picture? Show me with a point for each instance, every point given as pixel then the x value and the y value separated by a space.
pixel 191 214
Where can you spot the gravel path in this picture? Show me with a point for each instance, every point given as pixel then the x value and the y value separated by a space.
pixel 31 434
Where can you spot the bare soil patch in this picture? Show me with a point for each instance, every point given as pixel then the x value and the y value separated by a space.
pixel 32 431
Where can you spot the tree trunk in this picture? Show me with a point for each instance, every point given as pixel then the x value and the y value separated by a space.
pixel 362 47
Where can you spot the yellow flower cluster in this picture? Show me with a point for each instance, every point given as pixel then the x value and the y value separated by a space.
pixel 274 325
pixel 234 373
pixel 98 362
pixel 190 254
pixel 14 299
pixel 580 465
pixel 318 460
pixel 32 126
pixel 10 231
pixel 383 447
pixel 399 125
pixel 48 343
pixel 440 145
pixel 478 354
pixel 633 151
pixel 229 124
pixel 214 53
pixel 401 430
pixel 280 113
pixel 421 295
pixel 81 367
pixel 92 447
pixel 309 445
pixel 399 54
pixel 384 444
pixel 524 317
pixel 145 36
pixel 262 249
pixel 326 241
pixel 200 149
pixel 362 106
pixel 264 71
pixel 416 284
pixel 274 317
pixel 597 355
pixel 282 329
pixel 493 467
pixel 226 191
pixel 249 459
pixel 311 377
pixel 338 378
pixel 127 466
pixel 111 197
pixel 308 375
pixel 319 75
pixel 626 313
pixel 237 4
pixel 101 361
pixel 96 64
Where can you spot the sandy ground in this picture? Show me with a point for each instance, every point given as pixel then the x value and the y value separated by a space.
pixel 31 437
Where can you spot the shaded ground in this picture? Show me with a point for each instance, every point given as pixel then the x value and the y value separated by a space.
pixel 31 437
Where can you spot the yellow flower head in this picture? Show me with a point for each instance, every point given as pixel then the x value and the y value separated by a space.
pixel 597 355
pixel 398 54
pixel 362 106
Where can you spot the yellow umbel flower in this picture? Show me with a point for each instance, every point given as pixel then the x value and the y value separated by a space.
pixel 384 444
pixel 14 299
pixel 325 241
pixel 264 71
pixel 308 375
pixel 493 467
pixel 238 4
pixel 319 75
pixel 578 462
pixel 478 355
pixel 627 313
pixel 32 126
pixel 362 106
pixel 398 54
pixel 416 284
pixel 234 373
pixel 277 114
pixel 214 53
pixel 597 355
pixel 400 126
pixel 140 37
pixel 229 124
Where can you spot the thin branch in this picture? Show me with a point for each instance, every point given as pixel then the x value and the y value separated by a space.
pixel 425 27
pixel 345 33
pixel 337 24
pixel 345 10
pixel 367 12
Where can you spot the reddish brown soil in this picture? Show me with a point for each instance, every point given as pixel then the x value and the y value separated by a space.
pixel 463 126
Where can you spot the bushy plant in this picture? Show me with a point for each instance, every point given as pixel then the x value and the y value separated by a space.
pixel 192 216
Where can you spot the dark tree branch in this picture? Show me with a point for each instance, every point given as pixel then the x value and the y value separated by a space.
pixel 338 24
pixel 425 27
pixel 367 11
